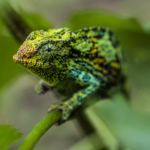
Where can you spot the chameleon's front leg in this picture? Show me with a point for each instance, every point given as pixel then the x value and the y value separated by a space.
pixel 42 87
pixel 84 79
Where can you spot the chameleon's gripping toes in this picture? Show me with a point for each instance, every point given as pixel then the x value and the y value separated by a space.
pixel 75 64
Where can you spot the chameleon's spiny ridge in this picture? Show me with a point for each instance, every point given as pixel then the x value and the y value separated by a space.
pixel 75 64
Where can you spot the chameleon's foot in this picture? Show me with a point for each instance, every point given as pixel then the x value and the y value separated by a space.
pixel 64 108
pixel 42 88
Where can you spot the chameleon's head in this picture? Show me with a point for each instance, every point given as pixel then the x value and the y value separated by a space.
pixel 44 49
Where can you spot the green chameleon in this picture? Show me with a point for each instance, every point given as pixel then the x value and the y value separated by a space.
pixel 75 64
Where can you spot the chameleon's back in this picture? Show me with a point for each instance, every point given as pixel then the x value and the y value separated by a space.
pixel 97 51
pixel 100 52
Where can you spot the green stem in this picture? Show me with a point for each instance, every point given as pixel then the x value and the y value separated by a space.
pixel 40 129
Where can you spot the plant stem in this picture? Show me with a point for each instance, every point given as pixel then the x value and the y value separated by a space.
pixel 40 129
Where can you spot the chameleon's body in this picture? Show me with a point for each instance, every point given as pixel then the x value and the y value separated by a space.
pixel 75 64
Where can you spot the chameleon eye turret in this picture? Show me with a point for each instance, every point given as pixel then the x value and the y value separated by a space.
pixel 77 65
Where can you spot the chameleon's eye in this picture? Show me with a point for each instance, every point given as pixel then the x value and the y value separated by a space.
pixel 49 50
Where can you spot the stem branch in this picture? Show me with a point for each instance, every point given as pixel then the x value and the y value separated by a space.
pixel 40 129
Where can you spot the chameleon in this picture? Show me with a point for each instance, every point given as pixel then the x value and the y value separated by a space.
pixel 75 64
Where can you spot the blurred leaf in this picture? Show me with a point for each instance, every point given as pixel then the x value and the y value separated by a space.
pixel 8 136
pixel 90 142
pixel 130 128
pixel 36 22
pixel 14 22
pixel 9 45
pixel 129 31
pixel 8 48
pixel 104 133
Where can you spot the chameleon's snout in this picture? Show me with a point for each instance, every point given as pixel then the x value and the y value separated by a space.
pixel 21 56
pixel 18 59
pixel 15 58
pixel 24 53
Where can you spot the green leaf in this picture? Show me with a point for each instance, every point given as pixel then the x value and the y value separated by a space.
pixel 129 31
pixel 104 134
pixel 90 142
pixel 8 135
pixel 9 46
pixel 130 128
pixel 36 22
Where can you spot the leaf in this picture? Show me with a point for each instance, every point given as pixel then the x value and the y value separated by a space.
pixel 8 135
pixel 36 22
pixel 104 134
pixel 9 46
pixel 90 142
pixel 130 128
pixel 8 68
pixel 129 31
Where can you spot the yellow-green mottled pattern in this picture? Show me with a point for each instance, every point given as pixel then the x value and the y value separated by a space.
pixel 75 64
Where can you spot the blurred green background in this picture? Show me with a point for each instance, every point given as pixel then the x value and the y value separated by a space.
pixel 19 103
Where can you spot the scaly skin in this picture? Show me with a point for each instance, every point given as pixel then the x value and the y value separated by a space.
pixel 75 64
